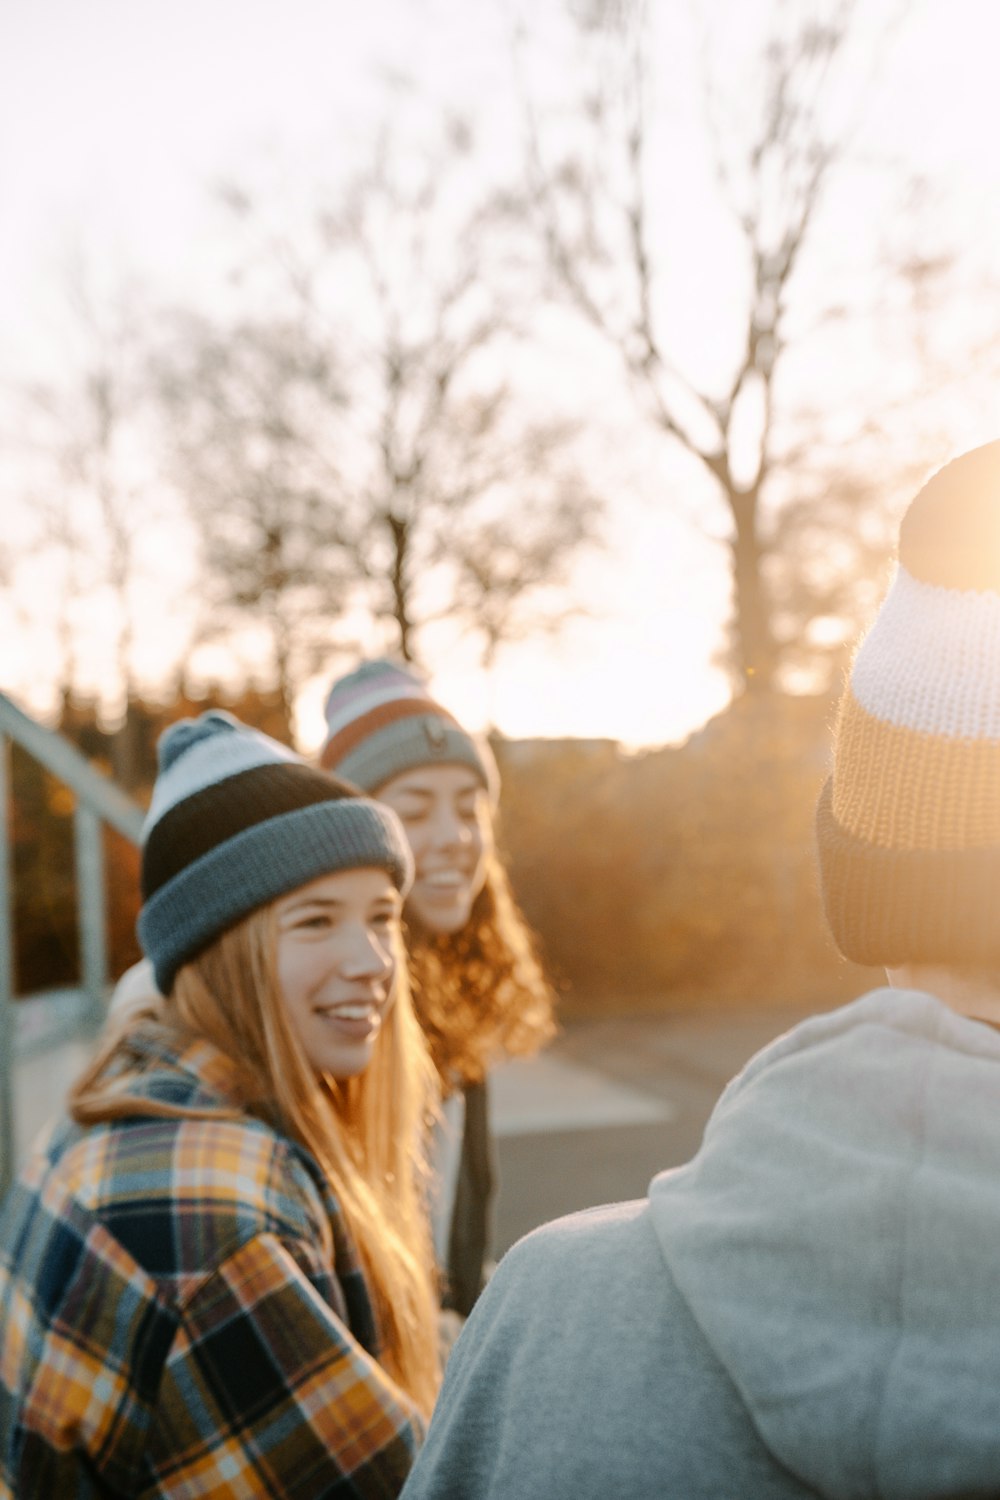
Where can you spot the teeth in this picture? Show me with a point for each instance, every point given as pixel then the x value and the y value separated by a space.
pixel 350 1012
pixel 448 880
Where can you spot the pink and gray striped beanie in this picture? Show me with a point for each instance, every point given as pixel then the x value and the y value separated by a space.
pixel 381 720
pixel 237 820
pixel 909 822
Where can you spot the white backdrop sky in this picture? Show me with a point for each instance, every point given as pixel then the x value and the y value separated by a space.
pixel 116 116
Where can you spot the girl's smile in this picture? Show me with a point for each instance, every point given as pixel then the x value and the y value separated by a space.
pixel 446 814
pixel 337 941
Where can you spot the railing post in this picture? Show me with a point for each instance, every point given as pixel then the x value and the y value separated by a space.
pixel 6 976
pixel 90 906
pixel 98 801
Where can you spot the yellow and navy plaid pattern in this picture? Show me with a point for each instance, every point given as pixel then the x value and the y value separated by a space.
pixel 182 1313
pixel 909 823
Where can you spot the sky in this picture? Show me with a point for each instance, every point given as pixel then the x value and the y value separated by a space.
pixel 118 115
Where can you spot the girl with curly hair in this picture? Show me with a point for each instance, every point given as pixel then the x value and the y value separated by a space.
pixel 478 986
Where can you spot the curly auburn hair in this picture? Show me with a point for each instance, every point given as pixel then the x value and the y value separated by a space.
pixel 480 994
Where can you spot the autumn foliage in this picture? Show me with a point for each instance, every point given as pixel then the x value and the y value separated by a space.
pixel 46 939
pixel 682 876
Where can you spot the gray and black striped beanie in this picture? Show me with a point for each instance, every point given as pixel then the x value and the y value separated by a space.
pixel 237 820
pixel 381 720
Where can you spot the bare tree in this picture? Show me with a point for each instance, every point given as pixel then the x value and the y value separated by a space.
pixel 433 437
pixel 85 437
pixel 607 240
pixel 512 559
pixel 249 411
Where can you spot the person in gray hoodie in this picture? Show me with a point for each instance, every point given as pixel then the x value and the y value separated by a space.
pixel 811 1306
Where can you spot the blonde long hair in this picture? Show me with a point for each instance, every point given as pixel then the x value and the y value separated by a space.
pixel 366 1132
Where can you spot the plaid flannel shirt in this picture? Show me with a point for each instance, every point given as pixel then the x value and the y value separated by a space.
pixel 182 1313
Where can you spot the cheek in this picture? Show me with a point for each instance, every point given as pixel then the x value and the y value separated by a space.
pixel 297 972
pixel 418 840
pixel 483 842
pixel 388 943
pixel 285 969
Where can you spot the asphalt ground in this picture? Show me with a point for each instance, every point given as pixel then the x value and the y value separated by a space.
pixel 610 1104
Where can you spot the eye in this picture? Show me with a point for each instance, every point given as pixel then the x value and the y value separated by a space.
pixel 318 921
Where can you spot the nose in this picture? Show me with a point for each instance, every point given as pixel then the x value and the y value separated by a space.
pixel 449 830
pixel 367 954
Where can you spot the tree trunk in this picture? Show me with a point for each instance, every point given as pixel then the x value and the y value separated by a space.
pixel 283 673
pixel 400 530
pixel 756 653
pixel 125 765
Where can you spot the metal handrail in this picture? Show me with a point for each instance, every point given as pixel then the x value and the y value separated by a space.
pixel 56 754
pixel 98 800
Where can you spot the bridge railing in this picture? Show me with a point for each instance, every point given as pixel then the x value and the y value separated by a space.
pixel 73 1013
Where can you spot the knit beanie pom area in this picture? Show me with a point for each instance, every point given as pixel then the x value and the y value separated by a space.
pixel 237 820
pixel 908 825
pixel 178 738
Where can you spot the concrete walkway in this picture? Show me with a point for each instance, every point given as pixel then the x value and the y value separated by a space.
pixel 41 1084
pixel 553 1094
pixel 612 1103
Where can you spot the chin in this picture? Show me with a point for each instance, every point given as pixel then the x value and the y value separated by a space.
pixel 343 1063
pixel 344 1071
pixel 442 921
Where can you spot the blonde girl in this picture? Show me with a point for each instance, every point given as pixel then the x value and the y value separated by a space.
pixel 216 1278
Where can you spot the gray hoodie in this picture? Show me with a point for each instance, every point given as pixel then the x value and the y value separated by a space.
pixel 809 1307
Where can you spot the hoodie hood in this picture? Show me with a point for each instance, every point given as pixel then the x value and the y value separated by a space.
pixel 837 1239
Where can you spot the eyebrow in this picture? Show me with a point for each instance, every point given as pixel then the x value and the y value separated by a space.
pixel 303 904
pixel 334 903
pixel 427 794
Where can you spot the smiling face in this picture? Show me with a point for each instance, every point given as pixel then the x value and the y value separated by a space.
pixel 337 943
pixel 445 811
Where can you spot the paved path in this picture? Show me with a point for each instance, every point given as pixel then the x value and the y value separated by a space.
pixel 610 1104
pixel 41 1083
